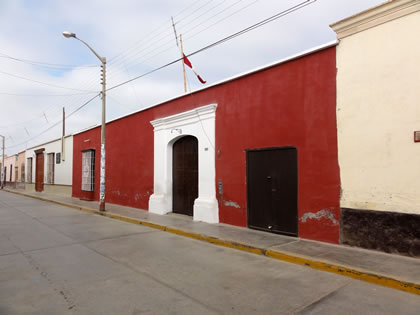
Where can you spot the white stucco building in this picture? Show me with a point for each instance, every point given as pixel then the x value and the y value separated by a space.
pixel 49 167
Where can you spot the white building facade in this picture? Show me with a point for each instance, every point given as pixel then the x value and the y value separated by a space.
pixel 49 167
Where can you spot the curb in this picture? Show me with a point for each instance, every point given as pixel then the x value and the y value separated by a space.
pixel 355 273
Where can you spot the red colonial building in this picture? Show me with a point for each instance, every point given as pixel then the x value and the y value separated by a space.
pixel 256 150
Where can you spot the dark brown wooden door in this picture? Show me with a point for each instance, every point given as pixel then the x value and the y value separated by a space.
pixel 39 172
pixel 272 190
pixel 185 175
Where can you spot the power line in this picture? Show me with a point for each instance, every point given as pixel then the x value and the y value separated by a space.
pixel 141 57
pixel 40 82
pixel 44 95
pixel 241 32
pixel 55 124
pixel 121 54
pixel 45 64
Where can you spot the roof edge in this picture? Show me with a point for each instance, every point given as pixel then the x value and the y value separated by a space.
pixel 380 14
pixel 48 142
pixel 238 76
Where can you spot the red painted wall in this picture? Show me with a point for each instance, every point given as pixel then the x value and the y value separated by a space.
pixel 292 104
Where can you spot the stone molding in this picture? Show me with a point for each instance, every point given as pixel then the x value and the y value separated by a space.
pixel 375 16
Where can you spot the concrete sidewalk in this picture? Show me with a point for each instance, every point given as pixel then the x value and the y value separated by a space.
pixel 393 271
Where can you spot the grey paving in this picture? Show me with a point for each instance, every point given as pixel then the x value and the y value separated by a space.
pixel 55 260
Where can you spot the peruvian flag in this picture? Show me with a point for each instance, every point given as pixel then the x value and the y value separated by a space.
pixel 189 64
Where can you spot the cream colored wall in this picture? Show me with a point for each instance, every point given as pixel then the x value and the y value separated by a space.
pixel 10 161
pixel 378 109
pixel 21 161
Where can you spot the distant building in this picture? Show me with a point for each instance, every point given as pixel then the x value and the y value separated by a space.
pixel 378 112
pixel 20 165
pixel 10 164
pixel 49 168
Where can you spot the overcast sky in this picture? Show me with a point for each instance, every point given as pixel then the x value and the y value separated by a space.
pixel 136 36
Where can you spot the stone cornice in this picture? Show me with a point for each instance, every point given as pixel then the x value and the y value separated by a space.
pixel 375 16
pixel 188 117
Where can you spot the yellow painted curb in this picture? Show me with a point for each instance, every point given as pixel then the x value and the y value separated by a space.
pixel 354 273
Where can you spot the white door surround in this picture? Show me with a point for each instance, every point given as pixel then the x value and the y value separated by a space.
pixel 200 123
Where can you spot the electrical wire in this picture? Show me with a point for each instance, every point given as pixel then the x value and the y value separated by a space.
pixel 45 64
pixel 44 95
pixel 225 39
pixel 55 124
pixel 168 44
pixel 112 59
pixel 40 82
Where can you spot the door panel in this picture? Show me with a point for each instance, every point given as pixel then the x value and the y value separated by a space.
pixel 39 175
pixel 185 175
pixel 272 190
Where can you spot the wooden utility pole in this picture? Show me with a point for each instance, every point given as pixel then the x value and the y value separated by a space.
pixel 183 64
pixel 182 54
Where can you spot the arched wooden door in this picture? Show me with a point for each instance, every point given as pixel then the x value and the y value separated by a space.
pixel 185 175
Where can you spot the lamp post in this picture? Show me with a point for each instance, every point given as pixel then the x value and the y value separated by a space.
pixel 102 173
pixel 2 167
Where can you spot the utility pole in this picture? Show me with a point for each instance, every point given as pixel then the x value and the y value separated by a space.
pixel 2 166
pixel 102 174
pixel 182 54
pixel 183 64
pixel 103 75
pixel 63 135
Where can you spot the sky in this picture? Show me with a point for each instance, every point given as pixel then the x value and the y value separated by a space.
pixel 41 71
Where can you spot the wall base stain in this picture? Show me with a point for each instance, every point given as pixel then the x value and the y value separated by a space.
pixel 324 213
pixel 391 232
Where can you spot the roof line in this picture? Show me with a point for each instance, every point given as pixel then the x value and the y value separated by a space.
pixel 48 142
pixel 238 76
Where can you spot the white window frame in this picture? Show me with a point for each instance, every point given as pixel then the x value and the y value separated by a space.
pixel 88 170
pixel 50 168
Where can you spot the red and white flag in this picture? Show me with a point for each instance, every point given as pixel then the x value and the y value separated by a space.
pixel 189 64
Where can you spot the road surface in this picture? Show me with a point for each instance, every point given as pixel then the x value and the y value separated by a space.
pixel 56 260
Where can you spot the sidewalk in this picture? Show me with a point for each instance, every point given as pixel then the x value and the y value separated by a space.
pixel 394 271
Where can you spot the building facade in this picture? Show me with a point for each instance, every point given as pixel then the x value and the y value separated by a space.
pixel 257 150
pixel 378 112
pixel 20 165
pixel 48 167
pixel 11 170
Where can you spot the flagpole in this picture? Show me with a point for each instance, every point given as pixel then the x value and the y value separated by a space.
pixel 183 64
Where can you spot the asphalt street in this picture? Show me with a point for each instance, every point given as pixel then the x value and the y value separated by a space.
pixel 57 260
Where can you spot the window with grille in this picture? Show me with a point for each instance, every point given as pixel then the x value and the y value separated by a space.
pixel 50 168
pixel 88 170
pixel 29 173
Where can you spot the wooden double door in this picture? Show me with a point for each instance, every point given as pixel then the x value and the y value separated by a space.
pixel 272 190
pixel 184 175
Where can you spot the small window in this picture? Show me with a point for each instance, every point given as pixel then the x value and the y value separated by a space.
pixel 50 168
pixel 58 158
pixel 29 173
pixel 88 170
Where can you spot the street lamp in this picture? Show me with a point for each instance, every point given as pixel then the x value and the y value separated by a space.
pixel 102 173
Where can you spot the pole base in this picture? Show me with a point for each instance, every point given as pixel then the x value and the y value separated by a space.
pixel 102 206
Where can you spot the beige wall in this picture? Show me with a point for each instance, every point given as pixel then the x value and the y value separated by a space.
pixel 10 161
pixel 21 163
pixel 378 108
